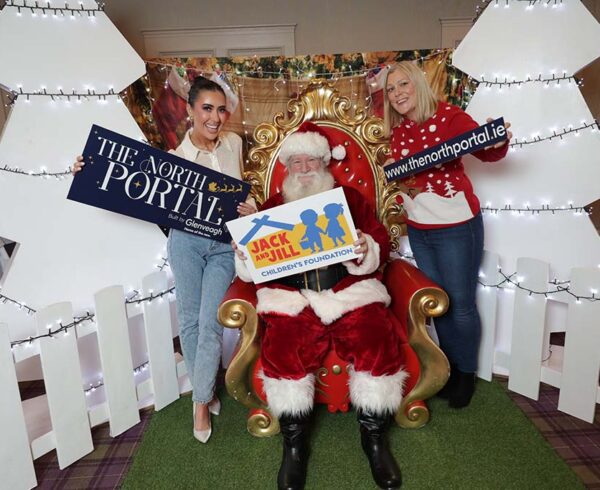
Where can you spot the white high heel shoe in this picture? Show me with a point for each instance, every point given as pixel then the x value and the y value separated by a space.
pixel 202 435
pixel 214 406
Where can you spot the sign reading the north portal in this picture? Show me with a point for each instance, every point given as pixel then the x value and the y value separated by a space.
pixel 129 177
pixel 295 237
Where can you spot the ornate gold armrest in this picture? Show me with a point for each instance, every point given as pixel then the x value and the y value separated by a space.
pixel 414 298
pixel 238 311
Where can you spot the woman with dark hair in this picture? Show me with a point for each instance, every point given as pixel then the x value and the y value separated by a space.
pixel 445 228
pixel 203 269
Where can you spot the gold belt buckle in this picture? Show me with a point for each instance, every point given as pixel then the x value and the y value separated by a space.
pixel 306 280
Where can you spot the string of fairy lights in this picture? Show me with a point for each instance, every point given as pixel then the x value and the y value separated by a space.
pixel 137 370
pixel 287 75
pixel 543 209
pixel 60 94
pixel 556 134
pixel 505 82
pixel 55 330
pixel 479 9
pixel 509 283
pixel 54 9
pixel 560 287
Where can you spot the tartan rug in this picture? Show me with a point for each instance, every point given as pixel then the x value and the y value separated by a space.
pixel 577 442
pixel 103 468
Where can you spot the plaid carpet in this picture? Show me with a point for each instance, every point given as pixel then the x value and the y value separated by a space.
pixel 577 442
pixel 103 468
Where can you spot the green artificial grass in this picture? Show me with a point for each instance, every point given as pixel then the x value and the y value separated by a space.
pixel 490 444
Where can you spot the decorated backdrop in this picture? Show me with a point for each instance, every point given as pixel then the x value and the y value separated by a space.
pixel 264 86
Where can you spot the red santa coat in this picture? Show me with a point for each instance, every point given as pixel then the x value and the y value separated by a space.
pixel 443 195
pixel 362 287
pixel 353 315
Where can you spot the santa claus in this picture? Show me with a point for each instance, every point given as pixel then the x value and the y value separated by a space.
pixel 343 306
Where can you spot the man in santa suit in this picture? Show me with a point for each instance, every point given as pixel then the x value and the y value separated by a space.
pixel 344 306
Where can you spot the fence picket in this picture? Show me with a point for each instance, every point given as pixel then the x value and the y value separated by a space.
pixel 529 317
pixel 157 325
pixel 581 362
pixel 64 385
pixel 115 356
pixel 16 464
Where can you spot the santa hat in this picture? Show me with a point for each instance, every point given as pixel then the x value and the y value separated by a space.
pixel 310 139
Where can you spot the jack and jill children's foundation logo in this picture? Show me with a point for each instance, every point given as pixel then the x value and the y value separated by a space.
pixel 298 236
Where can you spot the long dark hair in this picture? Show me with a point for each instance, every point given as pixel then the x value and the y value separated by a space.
pixel 198 85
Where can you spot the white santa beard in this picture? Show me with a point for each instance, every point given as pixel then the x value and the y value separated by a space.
pixel 293 189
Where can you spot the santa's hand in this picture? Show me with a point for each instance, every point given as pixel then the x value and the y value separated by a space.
pixel 246 208
pixel 77 165
pixel 361 245
pixel 240 255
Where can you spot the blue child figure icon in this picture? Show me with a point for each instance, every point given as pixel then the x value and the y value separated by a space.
pixel 312 234
pixel 334 229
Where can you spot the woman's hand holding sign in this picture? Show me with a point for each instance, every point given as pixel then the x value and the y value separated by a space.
pixel 509 136
pixel 77 165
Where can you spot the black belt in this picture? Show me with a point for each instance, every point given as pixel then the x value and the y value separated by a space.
pixel 317 279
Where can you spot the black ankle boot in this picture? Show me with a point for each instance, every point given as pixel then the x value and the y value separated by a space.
pixel 463 390
pixel 373 429
pixel 450 385
pixel 292 472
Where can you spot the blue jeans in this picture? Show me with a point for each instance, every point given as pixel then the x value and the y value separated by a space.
pixel 451 257
pixel 203 270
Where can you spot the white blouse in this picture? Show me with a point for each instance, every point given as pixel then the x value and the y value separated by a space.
pixel 226 157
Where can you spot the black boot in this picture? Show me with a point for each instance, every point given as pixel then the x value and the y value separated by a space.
pixel 463 390
pixel 292 472
pixel 450 385
pixel 373 429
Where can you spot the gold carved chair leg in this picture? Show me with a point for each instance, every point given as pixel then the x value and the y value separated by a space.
pixel 241 314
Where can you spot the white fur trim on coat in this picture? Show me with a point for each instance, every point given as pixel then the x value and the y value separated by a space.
pixel 289 396
pixel 376 394
pixel 370 262
pixel 305 143
pixel 274 300
pixel 242 270
pixel 330 305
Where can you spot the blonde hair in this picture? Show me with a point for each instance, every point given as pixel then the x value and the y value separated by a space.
pixel 426 101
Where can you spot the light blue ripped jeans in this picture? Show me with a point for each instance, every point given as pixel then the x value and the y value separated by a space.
pixel 203 270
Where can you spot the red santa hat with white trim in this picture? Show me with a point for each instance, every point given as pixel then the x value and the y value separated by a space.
pixel 310 139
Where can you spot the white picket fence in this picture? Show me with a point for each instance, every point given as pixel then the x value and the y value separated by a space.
pixel 574 368
pixel 62 418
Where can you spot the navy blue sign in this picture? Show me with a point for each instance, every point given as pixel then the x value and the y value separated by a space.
pixel 132 178
pixel 486 135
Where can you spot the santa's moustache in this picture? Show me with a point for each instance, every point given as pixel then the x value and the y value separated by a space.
pixel 293 189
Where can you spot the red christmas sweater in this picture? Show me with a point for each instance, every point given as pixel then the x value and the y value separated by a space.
pixel 440 196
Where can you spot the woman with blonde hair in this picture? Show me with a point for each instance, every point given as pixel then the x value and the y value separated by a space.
pixel 445 228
